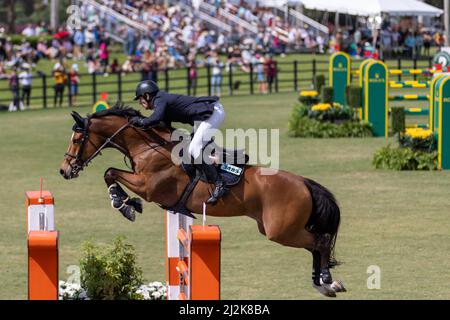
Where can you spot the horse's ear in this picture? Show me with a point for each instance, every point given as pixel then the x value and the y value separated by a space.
pixel 78 119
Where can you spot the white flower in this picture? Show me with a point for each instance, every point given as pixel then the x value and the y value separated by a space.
pixel 156 295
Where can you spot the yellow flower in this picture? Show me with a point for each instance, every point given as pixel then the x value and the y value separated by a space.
pixel 418 133
pixel 309 93
pixel 321 106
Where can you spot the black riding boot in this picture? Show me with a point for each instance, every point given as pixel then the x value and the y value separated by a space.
pixel 212 175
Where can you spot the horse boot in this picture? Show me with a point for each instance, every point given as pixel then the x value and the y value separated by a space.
pixel 325 276
pixel 122 202
pixel 211 174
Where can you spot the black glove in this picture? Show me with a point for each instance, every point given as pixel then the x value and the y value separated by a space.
pixel 137 121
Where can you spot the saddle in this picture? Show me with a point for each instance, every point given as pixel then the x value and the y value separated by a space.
pixel 232 164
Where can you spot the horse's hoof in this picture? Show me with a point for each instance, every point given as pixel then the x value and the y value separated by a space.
pixel 128 212
pixel 326 290
pixel 136 203
pixel 338 286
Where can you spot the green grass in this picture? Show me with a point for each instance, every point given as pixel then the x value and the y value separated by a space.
pixel 396 220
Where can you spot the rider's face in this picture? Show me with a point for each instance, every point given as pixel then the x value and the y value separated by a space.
pixel 145 102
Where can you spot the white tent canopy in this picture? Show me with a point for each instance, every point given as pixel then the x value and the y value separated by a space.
pixel 364 8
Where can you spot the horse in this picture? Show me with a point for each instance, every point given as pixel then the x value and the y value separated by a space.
pixel 291 210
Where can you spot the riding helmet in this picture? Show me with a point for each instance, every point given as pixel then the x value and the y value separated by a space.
pixel 147 86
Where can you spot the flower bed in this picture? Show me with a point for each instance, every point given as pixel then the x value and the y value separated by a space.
pixel 110 272
pixel 416 151
pixel 152 291
pixel 327 120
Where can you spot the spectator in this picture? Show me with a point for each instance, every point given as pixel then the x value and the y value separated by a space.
pixel 146 65
pixel 115 68
pixel 89 39
pixel 29 31
pixel 258 66
pixel 25 78
pixel 427 39
pixel 74 80
pixel 92 65
pixel 131 41
pixel 127 66
pixel 216 79
pixel 410 44
pixel 192 76
pixel 41 29
pixel 153 75
pixel 438 39
pixel 419 45
pixel 41 49
pixel 78 39
pixel 270 69
pixel 396 41
pixel 14 87
pixel 104 56
pixel 3 74
pixel 60 80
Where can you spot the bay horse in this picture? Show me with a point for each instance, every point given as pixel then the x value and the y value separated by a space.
pixel 291 210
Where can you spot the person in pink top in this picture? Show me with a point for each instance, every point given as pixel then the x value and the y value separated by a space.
pixel 104 56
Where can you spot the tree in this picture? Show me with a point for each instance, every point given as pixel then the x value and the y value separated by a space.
pixel 28 7
pixel 436 3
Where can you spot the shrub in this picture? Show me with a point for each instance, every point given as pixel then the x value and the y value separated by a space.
pixel 398 119
pixel 353 96
pixel 110 273
pixel 334 112
pixel 404 159
pixel 318 82
pixel 17 39
pixel 327 94
pixel 303 126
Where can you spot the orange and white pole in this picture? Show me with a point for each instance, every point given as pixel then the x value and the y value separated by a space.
pixel 42 239
pixel 175 253
pixel 204 262
pixel 193 259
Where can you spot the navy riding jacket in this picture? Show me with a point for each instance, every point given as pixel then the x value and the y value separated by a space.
pixel 179 108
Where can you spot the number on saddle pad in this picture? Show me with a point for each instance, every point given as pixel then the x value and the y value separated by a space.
pixel 231 169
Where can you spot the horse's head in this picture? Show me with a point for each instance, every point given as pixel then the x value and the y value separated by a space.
pixel 82 148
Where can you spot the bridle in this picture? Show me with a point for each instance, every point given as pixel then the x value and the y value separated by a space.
pixel 80 164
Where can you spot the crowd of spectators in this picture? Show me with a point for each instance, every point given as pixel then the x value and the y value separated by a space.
pixel 391 41
pixel 174 37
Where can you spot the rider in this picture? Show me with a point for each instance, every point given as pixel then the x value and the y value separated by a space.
pixel 207 111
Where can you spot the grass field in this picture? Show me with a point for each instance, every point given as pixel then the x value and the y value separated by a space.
pixel 398 221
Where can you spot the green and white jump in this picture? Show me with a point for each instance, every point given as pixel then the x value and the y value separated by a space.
pixel 375 84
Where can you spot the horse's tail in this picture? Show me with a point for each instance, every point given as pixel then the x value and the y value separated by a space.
pixel 325 216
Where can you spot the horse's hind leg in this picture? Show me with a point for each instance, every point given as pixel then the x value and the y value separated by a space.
pixel 323 246
pixel 317 284
pixel 120 200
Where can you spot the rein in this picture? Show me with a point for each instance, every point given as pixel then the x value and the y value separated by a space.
pixel 79 164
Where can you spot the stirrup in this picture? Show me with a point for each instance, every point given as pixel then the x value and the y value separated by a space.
pixel 218 192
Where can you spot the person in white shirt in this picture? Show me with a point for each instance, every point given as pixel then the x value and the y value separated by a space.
pixel 25 79
pixel 28 31
pixel 216 79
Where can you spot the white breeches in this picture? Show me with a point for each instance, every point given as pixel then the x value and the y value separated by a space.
pixel 205 130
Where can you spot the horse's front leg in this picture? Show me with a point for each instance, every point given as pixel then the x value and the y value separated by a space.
pixel 120 200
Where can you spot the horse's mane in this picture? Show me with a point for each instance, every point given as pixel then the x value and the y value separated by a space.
pixel 119 109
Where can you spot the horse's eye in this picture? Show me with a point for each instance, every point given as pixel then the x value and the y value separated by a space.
pixel 76 141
